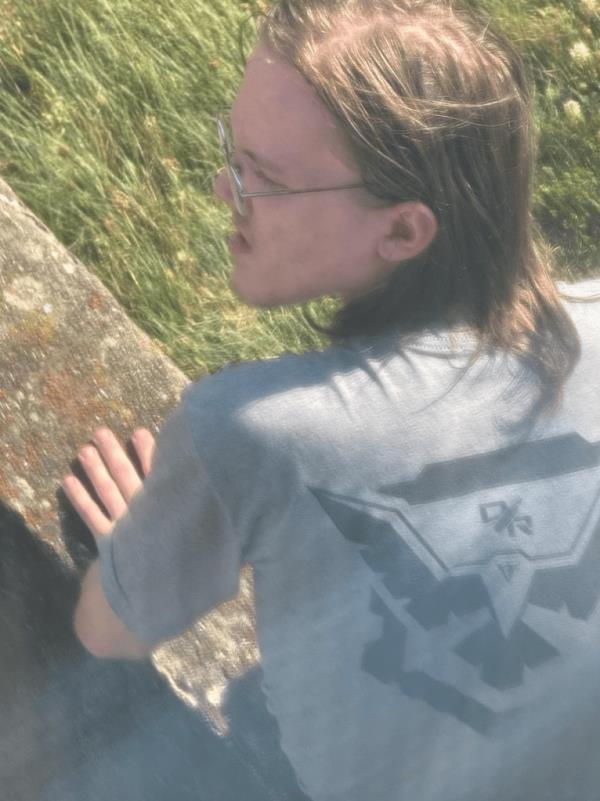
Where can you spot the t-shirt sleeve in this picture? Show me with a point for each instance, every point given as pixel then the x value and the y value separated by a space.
pixel 174 555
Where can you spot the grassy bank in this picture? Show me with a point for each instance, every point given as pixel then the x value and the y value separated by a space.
pixel 106 132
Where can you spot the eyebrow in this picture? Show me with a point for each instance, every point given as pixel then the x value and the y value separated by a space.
pixel 262 160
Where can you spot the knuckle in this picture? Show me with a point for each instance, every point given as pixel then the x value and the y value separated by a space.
pixel 121 465
pixel 104 487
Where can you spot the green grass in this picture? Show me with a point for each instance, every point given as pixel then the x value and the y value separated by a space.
pixel 106 132
pixel 560 41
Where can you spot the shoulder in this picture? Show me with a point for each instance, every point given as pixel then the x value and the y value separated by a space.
pixel 239 385
pixel 262 405
pixel 250 423
pixel 246 392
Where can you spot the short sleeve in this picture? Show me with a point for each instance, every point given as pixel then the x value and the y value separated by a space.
pixel 174 555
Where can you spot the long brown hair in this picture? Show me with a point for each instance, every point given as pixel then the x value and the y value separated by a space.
pixel 435 106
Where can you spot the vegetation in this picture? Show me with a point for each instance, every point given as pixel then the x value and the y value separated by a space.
pixel 106 132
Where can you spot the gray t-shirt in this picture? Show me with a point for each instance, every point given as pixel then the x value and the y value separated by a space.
pixel 427 571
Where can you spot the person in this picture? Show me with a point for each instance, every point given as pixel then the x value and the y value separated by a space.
pixel 419 499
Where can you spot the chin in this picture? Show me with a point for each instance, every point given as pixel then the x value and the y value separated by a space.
pixel 252 296
pixel 266 296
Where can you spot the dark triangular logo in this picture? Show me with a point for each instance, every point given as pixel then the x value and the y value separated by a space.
pixel 508 570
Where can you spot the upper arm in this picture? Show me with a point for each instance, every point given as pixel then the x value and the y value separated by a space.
pixel 173 556
pixel 99 629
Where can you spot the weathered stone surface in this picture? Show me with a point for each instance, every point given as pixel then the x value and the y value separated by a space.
pixel 73 727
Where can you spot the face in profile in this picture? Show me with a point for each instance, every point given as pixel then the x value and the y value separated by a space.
pixel 304 246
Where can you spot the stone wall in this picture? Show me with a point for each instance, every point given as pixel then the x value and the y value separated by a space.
pixel 73 727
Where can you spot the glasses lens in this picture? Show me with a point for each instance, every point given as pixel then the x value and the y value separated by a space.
pixel 235 182
pixel 234 179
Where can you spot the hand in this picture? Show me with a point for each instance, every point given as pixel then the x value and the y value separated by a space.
pixel 113 476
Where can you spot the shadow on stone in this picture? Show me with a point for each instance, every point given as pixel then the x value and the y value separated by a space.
pixel 74 727
pixel 255 735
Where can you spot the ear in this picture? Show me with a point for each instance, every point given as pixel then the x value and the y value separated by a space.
pixel 411 228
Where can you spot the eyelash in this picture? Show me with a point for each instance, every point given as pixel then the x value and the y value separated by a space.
pixel 258 173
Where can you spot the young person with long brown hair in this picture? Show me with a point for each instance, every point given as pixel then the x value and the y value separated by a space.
pixel 419 499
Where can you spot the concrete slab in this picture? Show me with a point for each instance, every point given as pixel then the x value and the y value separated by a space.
pixel 191 722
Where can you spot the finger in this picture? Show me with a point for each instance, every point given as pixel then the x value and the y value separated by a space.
pixel 86 507
pixel 102 481
pixel 145 446
pixel 119 465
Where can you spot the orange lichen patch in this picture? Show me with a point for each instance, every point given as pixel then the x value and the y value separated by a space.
pixel 95 300
pixel 121 411
pixel 29 453
pixel 73 399
pixel 8 491
pixel 7 419
pixel 39 518
pixel 34 330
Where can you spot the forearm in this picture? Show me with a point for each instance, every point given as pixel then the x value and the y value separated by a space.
pixel 99 629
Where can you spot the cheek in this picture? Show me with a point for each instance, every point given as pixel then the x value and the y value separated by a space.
pixel 317 248
pixel 283 238
pixel 339 245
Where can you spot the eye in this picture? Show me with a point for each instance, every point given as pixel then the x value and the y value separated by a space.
pixel 257 173
pixel 263 177
pixel 240 169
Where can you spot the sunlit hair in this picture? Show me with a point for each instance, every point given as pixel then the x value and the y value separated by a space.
pixel 435 106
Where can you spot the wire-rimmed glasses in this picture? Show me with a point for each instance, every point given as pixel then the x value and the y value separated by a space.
pixel 237 187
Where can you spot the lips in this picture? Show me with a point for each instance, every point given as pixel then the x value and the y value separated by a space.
pixel 238 244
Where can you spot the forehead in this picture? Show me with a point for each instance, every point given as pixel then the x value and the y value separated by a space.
pixel 279 114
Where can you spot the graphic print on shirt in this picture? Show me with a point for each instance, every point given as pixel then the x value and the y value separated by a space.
pixel 482 570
